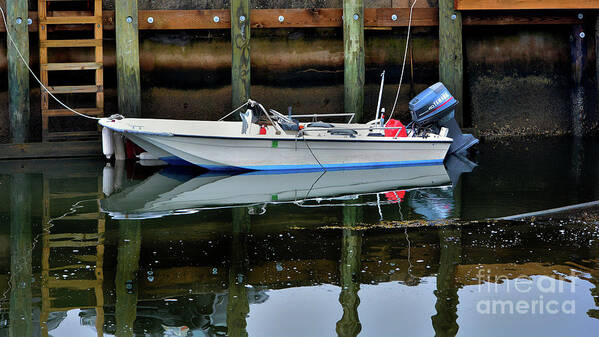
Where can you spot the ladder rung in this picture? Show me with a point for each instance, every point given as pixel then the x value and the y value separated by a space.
pixel 65 112
pixel 73 266
pixel 70 43
pixel 86 258
pixel 69 20
pixel 73 284
pixel 74 89
pixel 74 236
pixel 73 244
pixel 72 66
pixel 82 216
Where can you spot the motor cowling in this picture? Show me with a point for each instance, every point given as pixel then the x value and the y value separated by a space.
pixel 435 108
pixel 431 105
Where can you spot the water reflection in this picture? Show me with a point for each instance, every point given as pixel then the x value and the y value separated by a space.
pixel 349 278
pixel 182 191
pixel 20 312
pixel 325 266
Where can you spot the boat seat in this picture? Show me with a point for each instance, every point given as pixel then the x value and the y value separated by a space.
pixel 344 132
pixel 320 125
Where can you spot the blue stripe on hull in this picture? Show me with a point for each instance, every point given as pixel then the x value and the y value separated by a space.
pixel 313 167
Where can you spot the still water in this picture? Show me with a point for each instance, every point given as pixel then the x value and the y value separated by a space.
pixel 87 250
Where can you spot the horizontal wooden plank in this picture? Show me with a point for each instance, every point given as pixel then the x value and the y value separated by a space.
pixel 47 150
pixel 70 20
pixel 72 66
pixel 72 135
pixel 74 236
pixel 73 284
pixel 305 18
pixel 520 18
pixel 72 244
pixel 74 89
pixel 71 43
pixel 65 112
pixel 525 4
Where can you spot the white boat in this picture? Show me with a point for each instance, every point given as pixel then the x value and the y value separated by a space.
pixel 269 140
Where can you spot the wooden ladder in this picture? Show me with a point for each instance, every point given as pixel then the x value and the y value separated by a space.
pixel 45 23
pixel 51 242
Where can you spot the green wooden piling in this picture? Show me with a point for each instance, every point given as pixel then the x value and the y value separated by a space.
pixel 127 57
pixel 451 59
pixel 20 254
pixel 354 68
pixel 240 43
pixel 18 75
pixel 578 49
pixel 127 265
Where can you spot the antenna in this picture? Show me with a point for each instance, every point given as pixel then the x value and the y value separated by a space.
pixel 378 105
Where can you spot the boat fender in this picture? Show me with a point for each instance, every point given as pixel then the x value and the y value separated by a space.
pixel 108 180
pixel 119 146
pixel 107 145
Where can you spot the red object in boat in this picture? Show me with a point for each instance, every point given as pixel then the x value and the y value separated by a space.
pixel 395 196
pixel 262 130
pixel 394 123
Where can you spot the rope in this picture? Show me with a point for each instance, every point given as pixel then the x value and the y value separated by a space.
pixel 405 56
pixel 241 106
pixel 33 74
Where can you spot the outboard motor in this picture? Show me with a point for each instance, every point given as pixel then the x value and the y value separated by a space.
pixel 435 108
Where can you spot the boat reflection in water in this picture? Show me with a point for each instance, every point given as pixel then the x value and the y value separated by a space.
pixel 175 190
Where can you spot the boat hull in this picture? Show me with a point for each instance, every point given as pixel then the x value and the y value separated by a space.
pixel 215 153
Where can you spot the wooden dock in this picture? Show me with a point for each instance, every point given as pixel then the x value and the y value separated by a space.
pixel 126 20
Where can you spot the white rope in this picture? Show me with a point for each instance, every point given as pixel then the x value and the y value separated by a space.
pixel 33 74
pixel 405 56
pixel 241 106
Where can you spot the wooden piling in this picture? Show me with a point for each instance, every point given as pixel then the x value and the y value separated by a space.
pixel 451 60
pixel 18 75
pixel 578 61
pixel 354 68
pixel 240 54
pixel 127 58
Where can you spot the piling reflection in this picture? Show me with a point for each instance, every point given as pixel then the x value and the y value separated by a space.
pixel 20 314
pixel 238 306
pixel 350 266
pixel 129 247
pixel 445 320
